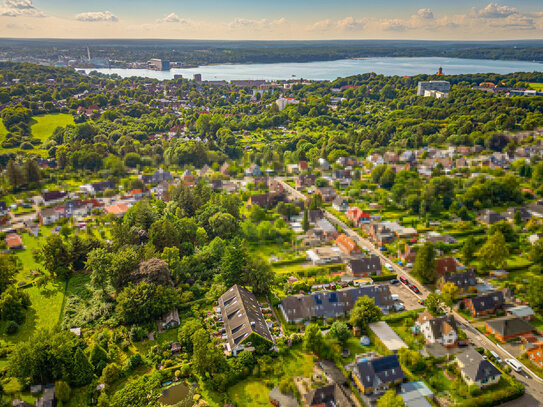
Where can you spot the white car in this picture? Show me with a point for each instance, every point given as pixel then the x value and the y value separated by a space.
pixel 398 307
pixel 389 267
pixel 395 297
pixel 514 364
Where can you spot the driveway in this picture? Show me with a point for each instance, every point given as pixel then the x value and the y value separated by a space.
pixel 405 294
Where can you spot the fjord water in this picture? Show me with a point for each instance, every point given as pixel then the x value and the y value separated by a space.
pixel 330 70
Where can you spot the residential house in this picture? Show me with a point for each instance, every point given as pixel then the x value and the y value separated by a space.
pixel 205 172
pixel 435 237
pixel 75 208
pixel 157 177
pixel 303 166
pixel 524 312
pixel 48 216
pixel 243 319
pixel 440 330
pixel 377 375
pixel 275 186
pixel 408 156
pixel 305 180
pixel 485 304
pixel 340 204
pixel 379 233
pixel 168 320
pixel 258 199
pixel 314 215
pixel 535 353
pixel 408 255
pixel 323 255
pixel 332 304
pixel 475 370
pixel 391 157
pixel 253 171
pixel 445 265
pixel 327 194
pixel 329 230
pixel 224 168
pixel 347 245
pixel 489 217
pixel 365 266
pixel 188 176
pixel 509 214
pixel 52 197
pixel 465 281
pixel 14 241
pixel 293 169
pixel 358 216
pixel 535 209
pixel 400 231
pixel 116 209
pixel 97 187
pixel 48 398
pixel 330 395
pixel 509 327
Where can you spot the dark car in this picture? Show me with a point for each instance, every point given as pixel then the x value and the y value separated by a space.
pixel 394 281
pixel 404 280
pixel 462 344
pixel 26 205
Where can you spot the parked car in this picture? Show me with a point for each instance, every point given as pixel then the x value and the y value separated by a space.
pixel 389 267
pixel 414 288
pixel 404 280
pixel 395 297
pixel 496 356
pixel 13 207
pixel 394 281
pixel 398 307
pixel 462 344
pixel 26 205
pixel 409 265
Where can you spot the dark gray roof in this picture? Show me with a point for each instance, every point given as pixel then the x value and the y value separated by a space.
pixel 462 280
pixel 326 226
pixel 475 367
pixel 332 395
pixel 330 304
pixel 488 216
pixel 242 316
pixel 511 325
pixel 488 301
pixel 314 215
pixel 338 200
pixel 332 371
pixel 372 372
pixel 371 264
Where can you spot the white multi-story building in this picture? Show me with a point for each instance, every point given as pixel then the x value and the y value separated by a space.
pixel 434 88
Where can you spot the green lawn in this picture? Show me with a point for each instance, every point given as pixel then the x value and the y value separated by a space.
pixel 45 125
pixel 25 256
pixel 536 85
pixel 250 392
pixel 43 313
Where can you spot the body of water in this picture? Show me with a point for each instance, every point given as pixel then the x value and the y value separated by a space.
pixel 330 70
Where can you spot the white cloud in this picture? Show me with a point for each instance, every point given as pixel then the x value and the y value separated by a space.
pixel 351 24
pixel 20 8
pixel 493 10
pixel 96 16
pixel 172 18
pixel 396 25
pixel 262 24
pixel 425 13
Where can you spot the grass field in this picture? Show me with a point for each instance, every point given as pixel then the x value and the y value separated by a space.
pixel 42 128
pixel 45 125
pixel 536 86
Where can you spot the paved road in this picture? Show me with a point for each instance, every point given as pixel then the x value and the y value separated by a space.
pixel 534 385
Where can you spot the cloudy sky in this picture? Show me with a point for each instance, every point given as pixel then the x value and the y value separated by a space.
pixel 273 19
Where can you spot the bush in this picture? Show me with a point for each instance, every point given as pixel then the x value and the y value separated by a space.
pixel 134 361
pixel 26 146
pixel 12 327
pixel 384 277
pixel 137 334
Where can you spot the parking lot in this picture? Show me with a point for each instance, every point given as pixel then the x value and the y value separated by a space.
pixel 405 294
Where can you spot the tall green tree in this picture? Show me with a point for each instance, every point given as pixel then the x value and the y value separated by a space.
pixel 313 340
pixel 8 271
pixel 425 264
pixel 469 249
pixel 365 312
pixel 82 371
pixel 494 252
pixel 305 221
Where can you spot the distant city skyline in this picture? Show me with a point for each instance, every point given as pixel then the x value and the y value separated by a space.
pixel 273 20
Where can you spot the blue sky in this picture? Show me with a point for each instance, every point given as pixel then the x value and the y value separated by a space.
pixel 273 19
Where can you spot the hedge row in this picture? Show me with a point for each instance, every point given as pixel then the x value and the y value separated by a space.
pixel 313 271
pixel 296 260
pixel 384 277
